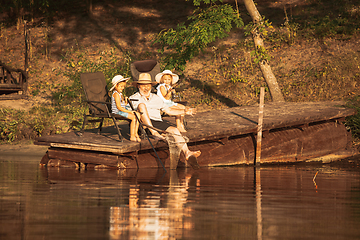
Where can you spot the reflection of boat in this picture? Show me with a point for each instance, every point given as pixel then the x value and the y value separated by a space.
pixel 292 132
pixel 131 176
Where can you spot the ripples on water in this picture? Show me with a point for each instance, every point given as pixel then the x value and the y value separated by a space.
pixel 270 202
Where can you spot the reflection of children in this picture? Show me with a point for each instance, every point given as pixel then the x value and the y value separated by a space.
pixel 166 80
pixel 120 106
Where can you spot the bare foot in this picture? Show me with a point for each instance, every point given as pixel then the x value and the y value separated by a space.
pixel 138 139
pixel 195 154
pixel 181 128
pixel 157 136
pixel 133 139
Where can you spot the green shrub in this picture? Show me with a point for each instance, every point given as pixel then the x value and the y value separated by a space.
pixel 353 122
pixel 17 124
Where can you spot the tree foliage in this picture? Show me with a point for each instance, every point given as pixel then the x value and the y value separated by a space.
pixel 205 26
pixel 27 4
pixel 198 2
pixel 21 8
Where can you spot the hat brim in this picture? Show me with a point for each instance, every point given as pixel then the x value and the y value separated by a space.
pixel 135 83
pixel 175 77
pixel 120 80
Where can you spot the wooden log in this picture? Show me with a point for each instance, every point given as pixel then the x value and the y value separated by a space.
pixel 10 87
pixel 84 157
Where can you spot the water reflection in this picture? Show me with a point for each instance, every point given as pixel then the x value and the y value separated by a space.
pixel 258 202
pixel 271 202
pixel 153 216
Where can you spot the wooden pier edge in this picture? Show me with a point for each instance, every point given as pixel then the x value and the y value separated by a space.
pixel 291 133
pixel 230 151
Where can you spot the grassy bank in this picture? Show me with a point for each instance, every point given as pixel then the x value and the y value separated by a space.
pixel 314 58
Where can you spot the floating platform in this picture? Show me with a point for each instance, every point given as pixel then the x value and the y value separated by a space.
pixel 292 132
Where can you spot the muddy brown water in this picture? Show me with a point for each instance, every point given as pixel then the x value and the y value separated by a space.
pixel 307 201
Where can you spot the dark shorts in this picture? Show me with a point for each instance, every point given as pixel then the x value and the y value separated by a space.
pixel 162 125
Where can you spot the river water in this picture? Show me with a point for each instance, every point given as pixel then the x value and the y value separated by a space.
pixel 306 201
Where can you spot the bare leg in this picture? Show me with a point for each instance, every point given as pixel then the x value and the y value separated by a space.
pixel 179 119
pixel 134 126
pixel 180 123
pixel 138 139
pixel 146 119
pixel 178 138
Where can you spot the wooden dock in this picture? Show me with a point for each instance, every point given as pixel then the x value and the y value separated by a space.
pixel 292 132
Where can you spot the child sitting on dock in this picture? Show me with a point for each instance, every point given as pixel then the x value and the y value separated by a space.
pixel 119 105
pixel 165 90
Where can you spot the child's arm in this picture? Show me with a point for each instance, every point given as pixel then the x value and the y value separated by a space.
pixel 118 104
pixel 166 94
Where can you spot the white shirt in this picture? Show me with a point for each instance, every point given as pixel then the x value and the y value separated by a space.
pixel 160 94
pixel 154 104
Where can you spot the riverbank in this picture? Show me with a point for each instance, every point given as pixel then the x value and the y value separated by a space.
pixel 23 148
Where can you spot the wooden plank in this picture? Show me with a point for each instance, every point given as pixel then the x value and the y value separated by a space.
pixel 12 96
pixel 107 142
pixel 96 147
pixel 144 160
pixel 275 116
pixel 208 126
pixel 13 87
pixel 84 157
pixel 235 121
pixel 290 145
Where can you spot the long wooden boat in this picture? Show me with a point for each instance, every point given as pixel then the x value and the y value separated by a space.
pixel 292 132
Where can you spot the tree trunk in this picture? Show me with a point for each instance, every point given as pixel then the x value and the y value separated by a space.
pixel 89 7
pixel 270 78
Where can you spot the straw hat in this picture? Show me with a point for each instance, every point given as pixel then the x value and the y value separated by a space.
pixel 144 78
pixel 175 77
pixel 116 80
